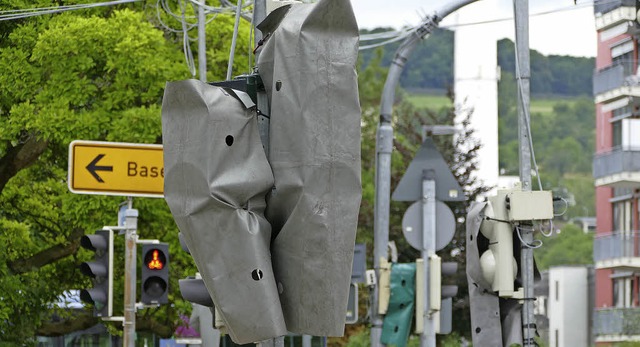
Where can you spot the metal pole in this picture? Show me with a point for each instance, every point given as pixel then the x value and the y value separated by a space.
pixel 523 75
pixel 306 340
pixel 234 39
pixel 202 45
pixel 259 14
pixel 384 147
pixel 131 223
pixel 428 336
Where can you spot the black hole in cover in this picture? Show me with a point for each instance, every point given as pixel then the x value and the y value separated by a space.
pixel 278 85
pixel 478 330
pixel 257 274
pixel 229 140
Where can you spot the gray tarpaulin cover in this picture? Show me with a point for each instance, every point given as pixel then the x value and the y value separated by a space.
pixel 308 68
pixel 216 178
pixel 296 267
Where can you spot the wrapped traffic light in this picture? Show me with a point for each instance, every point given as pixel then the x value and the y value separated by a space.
pixel 273 232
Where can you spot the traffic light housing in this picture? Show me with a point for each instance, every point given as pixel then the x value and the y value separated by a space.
pixel 193 289
pixel 499 267
pixel 399 316
pixel 101 271
pixel 440 296
pixel 155 273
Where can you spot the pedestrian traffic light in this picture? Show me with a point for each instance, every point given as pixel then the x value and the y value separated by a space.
pixel 100 270
pixel 155 273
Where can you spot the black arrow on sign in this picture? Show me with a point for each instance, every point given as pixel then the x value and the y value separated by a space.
pixel 93 167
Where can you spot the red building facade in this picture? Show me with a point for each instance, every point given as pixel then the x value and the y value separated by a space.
pixel 616 170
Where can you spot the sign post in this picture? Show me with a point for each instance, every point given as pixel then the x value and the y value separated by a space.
pixel 115 168
pixel 427 227
pixel 428 336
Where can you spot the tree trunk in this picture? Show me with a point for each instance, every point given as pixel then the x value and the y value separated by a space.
pixel 19 157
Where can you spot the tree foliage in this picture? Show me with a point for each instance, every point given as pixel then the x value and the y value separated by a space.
pixel 563 142
pixel 93 75
pixel 571 246
pixel 550 75
pixel 431 66
pixel 459 152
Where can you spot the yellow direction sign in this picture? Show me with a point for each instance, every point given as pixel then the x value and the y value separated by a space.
pixel 114 168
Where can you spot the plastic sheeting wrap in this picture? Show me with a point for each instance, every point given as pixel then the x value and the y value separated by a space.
pixel 216 179
pixel 308 69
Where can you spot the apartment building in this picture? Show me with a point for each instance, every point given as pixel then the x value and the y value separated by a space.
pixel 616 170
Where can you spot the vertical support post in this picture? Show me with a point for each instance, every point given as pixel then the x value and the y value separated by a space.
pixel 202 45
pixel 428 336
pixel 259 14
pixel 384 147
pixel 234 39
pixel 306 340
pixel 131 223
pixel 275 342
pixel 523 75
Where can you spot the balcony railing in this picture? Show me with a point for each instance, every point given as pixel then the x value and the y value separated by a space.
pixel 620 244
pixel 614 76
pixel 604 6
pixel 616 161
pixel 617 321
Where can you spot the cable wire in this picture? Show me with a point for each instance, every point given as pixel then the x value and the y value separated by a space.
pixel 395 35
pixel 234 39
pixel 536 243
pixel 186 47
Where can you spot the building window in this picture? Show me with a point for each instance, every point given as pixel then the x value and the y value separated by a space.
pixel 616 136
pixel 622 54
pixel 622 292
pixel 622 112
pixel 622 216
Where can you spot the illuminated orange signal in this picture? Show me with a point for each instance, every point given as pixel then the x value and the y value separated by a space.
pixel 155 263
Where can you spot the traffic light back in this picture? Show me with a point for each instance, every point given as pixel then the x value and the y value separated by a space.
pixel 100 270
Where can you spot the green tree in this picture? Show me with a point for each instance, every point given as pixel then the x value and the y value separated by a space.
pixel 570 247
pixel 95 75
pixel 459 153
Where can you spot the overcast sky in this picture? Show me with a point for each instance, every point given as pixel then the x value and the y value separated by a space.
pixel 556 26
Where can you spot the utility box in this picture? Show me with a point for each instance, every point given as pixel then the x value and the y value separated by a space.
pixel 529 205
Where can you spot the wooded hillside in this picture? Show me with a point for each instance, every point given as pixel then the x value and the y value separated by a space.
pixel 431 66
